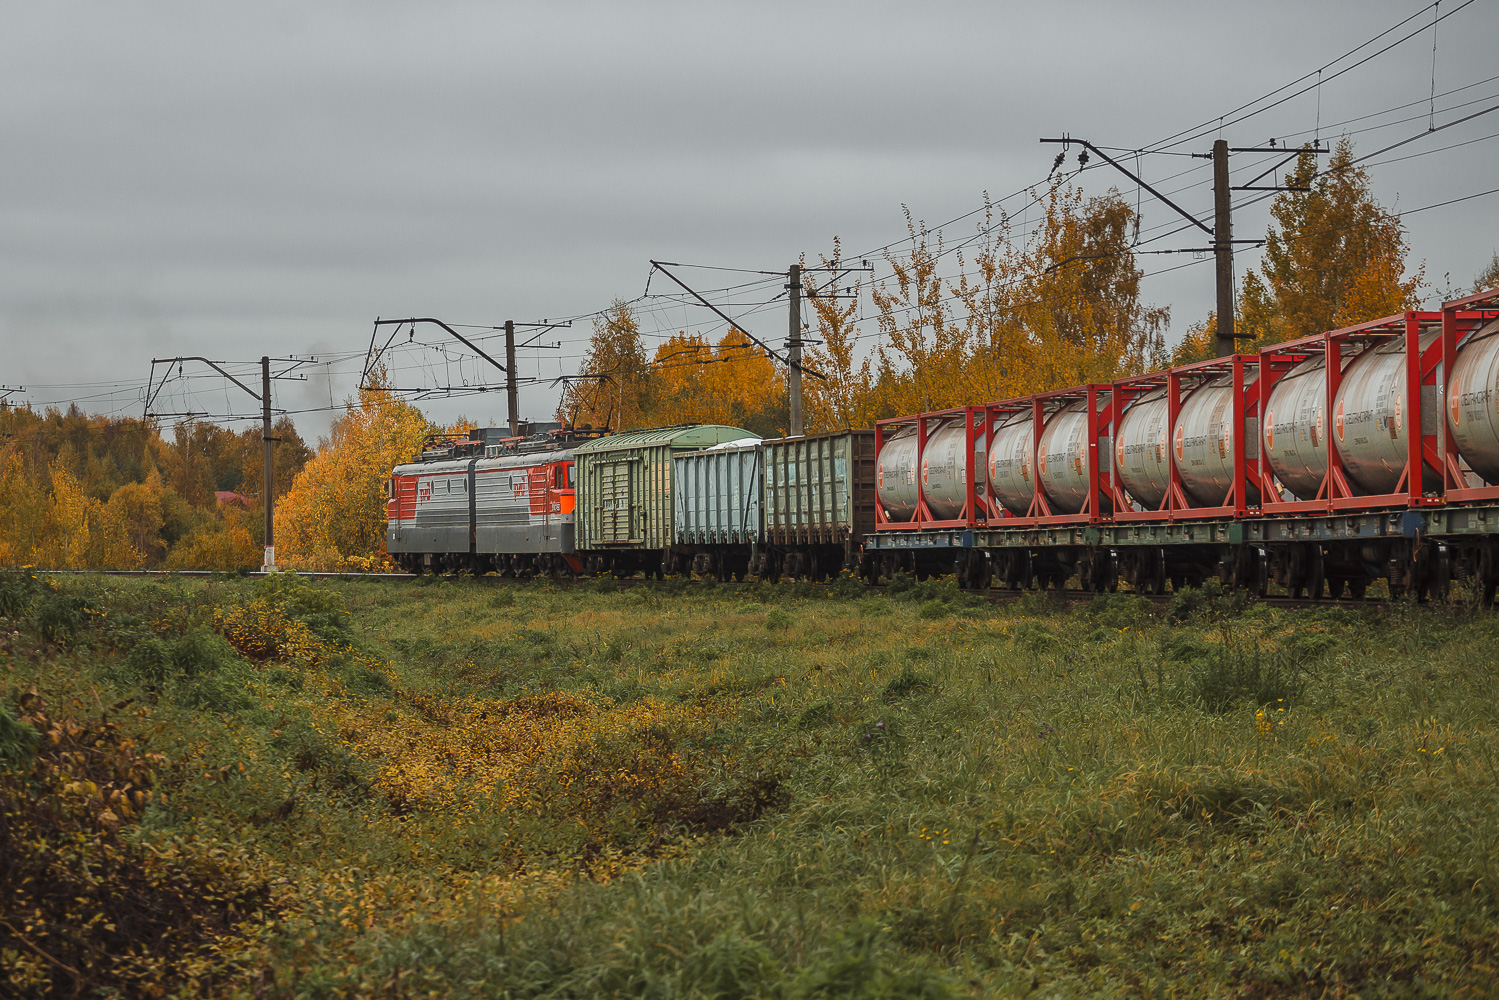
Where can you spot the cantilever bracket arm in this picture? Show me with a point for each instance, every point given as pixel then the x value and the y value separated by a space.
pixel 1138 180
pixel 372 357
pixel 733 325
pixel 153 388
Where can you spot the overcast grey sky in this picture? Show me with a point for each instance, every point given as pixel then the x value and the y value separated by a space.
pixel 234 180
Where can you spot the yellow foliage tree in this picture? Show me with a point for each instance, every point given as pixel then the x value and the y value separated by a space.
pixel 335 510
pixel 1333 256
pixel 1061 310
pixel 613 388
pixel 69 517
pixel 138 508
pixel 23 514
pixel 924 353
pixel 1080 297
pixel 227 546
pixel 841 399
pixel 733 383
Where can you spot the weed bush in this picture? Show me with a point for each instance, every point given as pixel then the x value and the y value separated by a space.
pixel 846 587
pixel 778 619
pixel 84 909
pixel 1122 611
pixel 17 590
pixel 59 617
pixel 1221 678
pixel 909 681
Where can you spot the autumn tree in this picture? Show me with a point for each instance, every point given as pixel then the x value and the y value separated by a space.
pixel 1080 299
pixel 1488 278
pixel 335 510
pixel 923 352
pixel 841 399
pixel 1062 309
pixel 1334 257
pixel 613 387
pixel 1200 343
pixel 732 383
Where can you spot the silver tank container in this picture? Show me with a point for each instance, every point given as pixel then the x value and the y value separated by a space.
pixel 1140 449
pixel 943 472
pixel 944 469
pixel 1062 458
pixel 895 475
pixel 1369 421
pixel 1473 402
pixel 1295 429
pixel 1012 476
pixel 1203 443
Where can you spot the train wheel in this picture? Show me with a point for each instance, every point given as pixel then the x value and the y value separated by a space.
pixel 1156 573
pixel 1314 575
pixel 1436 578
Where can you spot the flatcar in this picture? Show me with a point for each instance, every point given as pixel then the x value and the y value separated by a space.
pixel 1322 465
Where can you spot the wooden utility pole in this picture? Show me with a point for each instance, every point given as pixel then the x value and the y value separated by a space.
pixel 510 389
pixel 794 349
pixel 1223 248
pixel 268 479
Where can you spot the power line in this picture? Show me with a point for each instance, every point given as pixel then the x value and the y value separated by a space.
pixel 1223 121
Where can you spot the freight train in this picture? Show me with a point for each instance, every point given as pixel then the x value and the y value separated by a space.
pixel 1320 465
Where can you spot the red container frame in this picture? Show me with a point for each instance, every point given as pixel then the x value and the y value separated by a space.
pixel 1247 404
pixel 1422 449
pixel 923 518
pixel 1098 506
pixel 1460 319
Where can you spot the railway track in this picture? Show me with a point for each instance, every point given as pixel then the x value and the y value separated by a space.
pixel 993 596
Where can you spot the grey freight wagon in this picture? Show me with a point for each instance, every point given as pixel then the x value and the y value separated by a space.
pixel 819 504
pixel 717 520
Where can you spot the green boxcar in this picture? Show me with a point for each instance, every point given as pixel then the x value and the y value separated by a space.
pixel 819 498
pixel 625 492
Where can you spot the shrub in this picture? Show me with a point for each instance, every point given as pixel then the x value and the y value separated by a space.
pixel 150 662
pixel 118 917
pixel 1208 601
pixel 1033 637
pixel 157 662
pixel 1220 679
pixel 220 693
pixel 906 683
pixel 59 617
pixel 778 619
pixel 307 749
pixel 847 587
pixel 815 716
pixel 17 591
pixel 1121 611
pixel 17 740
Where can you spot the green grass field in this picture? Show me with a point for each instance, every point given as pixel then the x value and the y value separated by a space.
pixel 479 789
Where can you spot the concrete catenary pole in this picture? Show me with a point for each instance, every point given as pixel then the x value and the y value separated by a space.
pixel 1223 249
pixel 268 478
pixel 794 348
pixel 510 389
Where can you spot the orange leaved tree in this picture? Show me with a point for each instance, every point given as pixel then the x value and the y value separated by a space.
pixel 1333 257
pixel 334 515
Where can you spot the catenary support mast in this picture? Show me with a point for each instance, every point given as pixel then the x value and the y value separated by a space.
pixel 268 478
pixel 794 349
